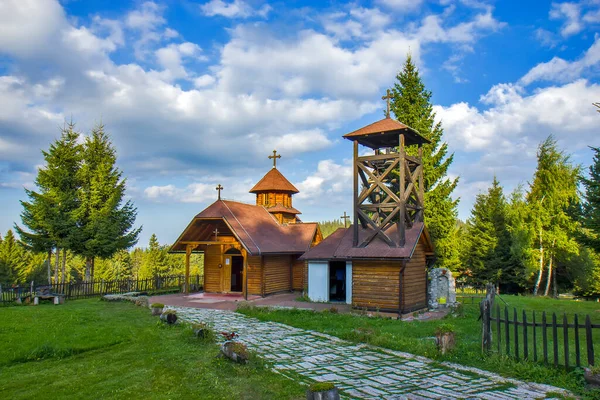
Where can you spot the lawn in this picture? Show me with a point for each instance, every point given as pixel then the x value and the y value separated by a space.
pixel 93 349
pixel 418 337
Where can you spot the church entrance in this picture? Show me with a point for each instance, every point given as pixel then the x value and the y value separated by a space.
pixel 337 281
pixel 237 273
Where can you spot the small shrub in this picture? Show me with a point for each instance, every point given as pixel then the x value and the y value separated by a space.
pixel 444 328
pixel 240 349
pixel 203 332
pixel 157 305
pixel 169 316
pixel 321 387
pixel 303 298
pixel 333 310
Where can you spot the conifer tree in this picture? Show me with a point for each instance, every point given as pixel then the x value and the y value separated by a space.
pixel 591 205
pixel 104 221
pixel 49 211
pixel 412 106
pixel 12 259
pixel 155 261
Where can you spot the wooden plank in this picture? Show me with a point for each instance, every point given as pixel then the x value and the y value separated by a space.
pixel 577 351
pixel 507 330
pixel 525 347
pixel 589 340
pixel 566 339
pixel 534 339
pixel 555 339
pixel 516 327
pixel 545 337
pixel 499 340
pixel 355 211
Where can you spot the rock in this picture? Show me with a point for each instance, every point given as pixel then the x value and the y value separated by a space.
pixel 332 394
pixel 235 351
pixel 169 317
pixel 157 311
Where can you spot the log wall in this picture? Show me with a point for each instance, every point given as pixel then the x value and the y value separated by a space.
pixel 300 272
pixel 376 284
pixel 414 295
pixel 277 273
pixel 212 272
pixel 254 275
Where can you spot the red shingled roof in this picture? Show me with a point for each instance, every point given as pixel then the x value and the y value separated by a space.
pixel 280 208
pixel 338 246
pixel 274 181
pixel 258 230
pixel 384 133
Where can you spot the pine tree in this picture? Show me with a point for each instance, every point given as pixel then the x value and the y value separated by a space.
pixel 154 262
pixel 552 194
pixel 12 259
pixel 49 213
pixel 105 222
pixel 591 206
pixel 412 106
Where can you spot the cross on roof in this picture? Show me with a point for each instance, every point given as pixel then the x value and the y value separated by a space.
pixel 387 97
pixel 345 218
pixel 219 188
pixel 275 156
pixel 216 232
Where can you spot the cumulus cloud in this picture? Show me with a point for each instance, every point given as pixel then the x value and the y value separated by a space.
pixel 576 16
pixel 234 9
pixel 560 70
pixel 331 181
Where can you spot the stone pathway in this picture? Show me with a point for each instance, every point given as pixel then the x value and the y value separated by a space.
pixel 363 371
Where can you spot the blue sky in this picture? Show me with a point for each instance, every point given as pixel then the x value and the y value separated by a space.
pixel 196 93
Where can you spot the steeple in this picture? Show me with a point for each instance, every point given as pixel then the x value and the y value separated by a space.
pixel 274 192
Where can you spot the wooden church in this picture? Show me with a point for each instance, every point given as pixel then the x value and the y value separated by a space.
pixel 380 262
pixel 252 249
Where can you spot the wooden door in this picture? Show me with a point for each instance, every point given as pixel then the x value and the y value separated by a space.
pixel 226 273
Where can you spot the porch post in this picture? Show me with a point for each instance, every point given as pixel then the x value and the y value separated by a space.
pixel 188 253
pixel 245 274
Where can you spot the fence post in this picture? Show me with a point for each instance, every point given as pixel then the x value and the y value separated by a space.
pixel 525 344
pixel 577 351
pixel 566 339
pixel 588 337
pixel 486 315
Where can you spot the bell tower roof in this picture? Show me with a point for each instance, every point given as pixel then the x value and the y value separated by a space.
pixel 274 181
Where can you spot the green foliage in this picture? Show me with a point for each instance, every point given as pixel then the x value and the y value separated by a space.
pixel 328 227
pixel 157 305
pixel 412 106
pixel 321 387
pixel 445 328
pixel 104 221
pixel 591 205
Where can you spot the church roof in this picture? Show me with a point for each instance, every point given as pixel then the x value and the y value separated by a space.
pixel 274 181
pixel 338 246
pixel 280 208
pixel 384 133
pixel 256 229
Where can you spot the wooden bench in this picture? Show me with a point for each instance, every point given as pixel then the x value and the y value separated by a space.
pixel 44 293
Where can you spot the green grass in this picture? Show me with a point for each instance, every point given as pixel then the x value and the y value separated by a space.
pixel 92 349
pixel 417 337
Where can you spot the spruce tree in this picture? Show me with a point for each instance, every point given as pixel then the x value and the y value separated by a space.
pixel 49 212
pixel 154 262
pixel 591 205
pixel 12 259
pixel 105 221
pixel 412 106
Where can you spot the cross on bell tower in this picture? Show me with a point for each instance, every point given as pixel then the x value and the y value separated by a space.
pixel 275 156
pixel 387 97
pixel 219 188
pixel 345 217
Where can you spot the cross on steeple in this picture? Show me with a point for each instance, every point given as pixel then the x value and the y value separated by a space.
pixel 275 156
pixel 345 218
pixel 387 97
pixel 219 188
pixel 216 232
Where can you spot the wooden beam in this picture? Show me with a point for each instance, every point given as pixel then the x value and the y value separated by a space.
pixel 205 242
pixel 379 157
pixel 378 230
pixel 356 203
pixel 402 217
pixel 245 274
pixel 188 253
pixel 421 187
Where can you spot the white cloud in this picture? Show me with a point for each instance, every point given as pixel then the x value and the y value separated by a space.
pixel 234 9
pixel 576 16
pixel 170 58
pixel 29 27
pixel 560 70
pixel 203 81
pixel 331 181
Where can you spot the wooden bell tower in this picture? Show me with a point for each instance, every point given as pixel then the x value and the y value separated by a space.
pixel 388 186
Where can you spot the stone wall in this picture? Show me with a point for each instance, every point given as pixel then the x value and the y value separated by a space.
pixel 442 290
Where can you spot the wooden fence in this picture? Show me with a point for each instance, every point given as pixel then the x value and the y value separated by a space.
pixel 468 294
pixel 551 339
pixel 97 288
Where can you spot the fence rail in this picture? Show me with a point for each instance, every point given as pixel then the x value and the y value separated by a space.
pixel 96 288
pixel 470 294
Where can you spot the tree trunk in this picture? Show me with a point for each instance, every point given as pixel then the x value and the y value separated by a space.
pixel 49 261
pixel 541 271
pixel 555 288
pixel 64 266
pixel 56 265
pixel 549 277
pixel 93 265
pixel 88 268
